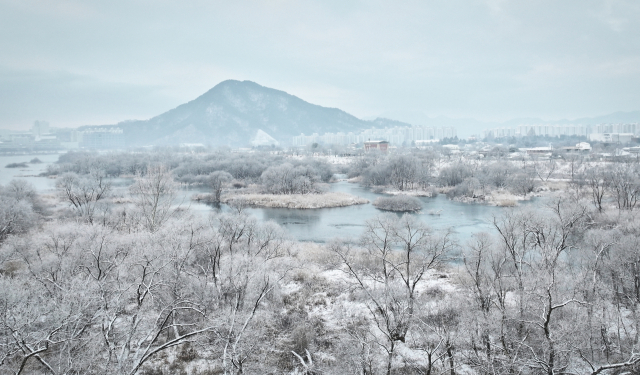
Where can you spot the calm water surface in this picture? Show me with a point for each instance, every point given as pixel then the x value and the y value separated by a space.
pixel 316 225
pixel 321 225
pixel 30 173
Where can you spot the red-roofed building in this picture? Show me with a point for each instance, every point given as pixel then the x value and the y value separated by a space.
pixel 382 146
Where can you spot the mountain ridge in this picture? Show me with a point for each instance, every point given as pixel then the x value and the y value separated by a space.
pixel 233 112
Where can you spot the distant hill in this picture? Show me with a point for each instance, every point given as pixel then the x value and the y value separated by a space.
pixel 612 118
pixel 234 113
pixel 243 113
pixel 469 126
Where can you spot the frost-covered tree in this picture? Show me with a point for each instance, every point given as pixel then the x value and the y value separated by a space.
pixel 15 217
pixel 598 184
pixel 84 193
pixel 390 269
pixel 216 181
pixel 624 184
pixel 403 171
pixel 153 195
pixel 17 201
pixel 287 179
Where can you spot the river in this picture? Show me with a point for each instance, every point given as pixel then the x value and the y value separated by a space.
pixel 324 224
pixel 315 225
pixel 321 225
pixel 42 184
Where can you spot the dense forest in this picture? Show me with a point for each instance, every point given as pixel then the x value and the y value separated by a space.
pixel 107 279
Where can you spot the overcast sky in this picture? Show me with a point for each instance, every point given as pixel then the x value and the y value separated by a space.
pixel 104 61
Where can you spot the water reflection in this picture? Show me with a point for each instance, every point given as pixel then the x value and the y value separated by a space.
pixel 293 217
pixel 300 224
pixel 317 225
pixel 322 225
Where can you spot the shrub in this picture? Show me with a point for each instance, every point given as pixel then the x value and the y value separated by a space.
pixel 454 175
pixel 470 188
pixel 287 179
pixel 16 165
pixel 398 203
pixel 521 184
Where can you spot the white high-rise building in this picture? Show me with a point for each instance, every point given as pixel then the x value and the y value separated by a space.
pixel 397 135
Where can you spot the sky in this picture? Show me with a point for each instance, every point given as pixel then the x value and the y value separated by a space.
pixel 75 63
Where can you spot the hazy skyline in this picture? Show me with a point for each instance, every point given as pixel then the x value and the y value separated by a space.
pixel 73 63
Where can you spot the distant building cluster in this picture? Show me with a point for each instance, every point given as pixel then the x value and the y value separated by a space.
pixel 40 138
pixel 566 130
pixel 44 138
pixel 102 137
pixel 398 135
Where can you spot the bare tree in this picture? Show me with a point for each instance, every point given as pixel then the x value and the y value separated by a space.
pixel 16 216
pixel 396 258
pixel 48 309
pixel 216 182
pixel 496 174
pixel 21 190
pixel 613 270
pixel 536 247
pixel 598 184
pixel 244 258
pixel 554 296
pixel 84 193
pixel 544 169
pixel 454 174
pixel 287 179
pixel 522 183
pixel 403 171
pixel 625 185
pixel 150 300
pixel 154 194
pixel 575 162
pixel 40 330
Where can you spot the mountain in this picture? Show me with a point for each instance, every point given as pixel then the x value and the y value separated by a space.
pixel 237 113
pixel 243 114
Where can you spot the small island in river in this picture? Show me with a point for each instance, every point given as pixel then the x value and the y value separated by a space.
pixel 323 200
